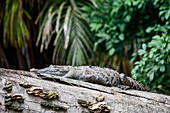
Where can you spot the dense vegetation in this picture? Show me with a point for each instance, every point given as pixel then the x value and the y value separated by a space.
pixel 131 36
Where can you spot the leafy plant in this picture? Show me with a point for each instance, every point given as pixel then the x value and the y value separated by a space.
pixel 119 27
pixel 123 27
pixel 63 21
pixel 15 28
pixel 153 68
pixel 116 23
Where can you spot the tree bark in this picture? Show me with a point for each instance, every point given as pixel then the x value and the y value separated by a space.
pixel 120 101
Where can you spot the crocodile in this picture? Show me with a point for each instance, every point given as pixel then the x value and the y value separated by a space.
pixel 94 74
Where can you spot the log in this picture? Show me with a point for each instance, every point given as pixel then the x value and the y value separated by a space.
pixel 69 95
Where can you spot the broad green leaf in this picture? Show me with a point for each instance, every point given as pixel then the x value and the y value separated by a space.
pixel 121 36
pixel 103 35
pixel 144 46
pixel 162 61
pixel 151 76
pixel 95 26
pixel 162 68
pixel 149 29
pixel 85 8
pixel 141 51
pixel 109 46
pixel 111 51
pixel 128 18
pixel 156 37
pixel 137 62
pixel 167 15
pixel 168 47
pixel 122 27
pixel 160 86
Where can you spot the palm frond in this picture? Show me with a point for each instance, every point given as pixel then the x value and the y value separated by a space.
pixel 15 28
pixel 72 34
pixel 59 16
pixel 66 21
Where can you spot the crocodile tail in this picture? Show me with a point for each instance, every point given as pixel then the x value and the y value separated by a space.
pixel 132 83
pixel 137 85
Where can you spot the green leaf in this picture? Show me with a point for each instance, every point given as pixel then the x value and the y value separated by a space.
pixel 141 51
pixel 57 36
pixel 97 43
pixel 168 47
pixel 111 51
pixel 122 27
pixel 137 62
pixel 162 68
pixel 71 30
pixel 103 35
pixel 132 59
pixel 160 86
pixel 15 30
pixel 109 46
pixel 168 60
pixel 149 29
pixel 27 14
pixel 151 76
pixel 144 46
pixel 156 37
pixel 66 21
pixel 59 16
pixel 121 36
pixel 162 61
pixel 134 54
pixel 167 15
pixel 85 8
pixel 95 26
pixel 127 19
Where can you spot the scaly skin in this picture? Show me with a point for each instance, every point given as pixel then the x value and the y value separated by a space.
pixel 94 74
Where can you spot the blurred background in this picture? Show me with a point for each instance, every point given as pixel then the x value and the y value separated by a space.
pixel 130 36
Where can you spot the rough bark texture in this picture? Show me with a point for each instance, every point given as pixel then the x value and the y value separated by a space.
pixel 120 101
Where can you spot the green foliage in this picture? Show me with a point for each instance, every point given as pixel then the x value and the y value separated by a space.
pixel 118 23
pixel 15 28
pixel 154 67
pixel 164 9
pixel 63 21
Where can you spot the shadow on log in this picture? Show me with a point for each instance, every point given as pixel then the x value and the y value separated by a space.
pixel 23 91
